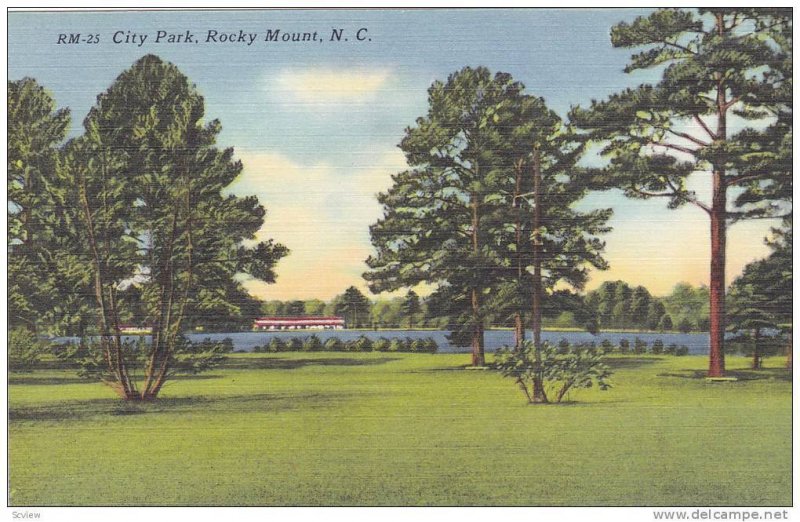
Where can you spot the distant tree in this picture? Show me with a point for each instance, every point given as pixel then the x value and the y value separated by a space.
pixel 714 64
pixel 640 304
pixel 665 323
pixel 35 130
pixel 314 307
pixel 296 307
pixel 685 325
pixel 655 311
pixel 411 307
pixel 354 306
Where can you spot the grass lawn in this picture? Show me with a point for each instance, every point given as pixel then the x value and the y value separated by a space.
pixel 403 429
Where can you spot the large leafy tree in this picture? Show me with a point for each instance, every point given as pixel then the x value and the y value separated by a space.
pixel 148 182
pixel 35 130
pixel 437 212
pixel 724 73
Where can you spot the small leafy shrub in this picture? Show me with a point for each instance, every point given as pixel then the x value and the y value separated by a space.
pixel 639 346
pixel 381 345
pixel 624 346
pixel 276 345
pixel 295 344
pixel 606 347
pixel 396 345
pixel 671 349
pixel 312 343
pixel 563 346
pixel 24 350
pixel 334 344
pixel 683 350
pixel 429 345
pixel 560 372
pixel 415 346
pixel 658 347
pixel 360 344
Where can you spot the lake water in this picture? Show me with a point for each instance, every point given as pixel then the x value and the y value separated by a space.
pixel 494 339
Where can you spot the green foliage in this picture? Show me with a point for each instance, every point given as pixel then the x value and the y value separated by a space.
pixel 606 346
pixel 578 367
pixel 35 130
pixel 381 345
pixel 312 343
pixel 276 344
pixel 657 347
pixel 188 358
pixel 24 349
pixel 624 346
pixel 639 346
pixel 353 306
pixel 334 344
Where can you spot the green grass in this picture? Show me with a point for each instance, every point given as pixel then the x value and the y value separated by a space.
pixel 403 429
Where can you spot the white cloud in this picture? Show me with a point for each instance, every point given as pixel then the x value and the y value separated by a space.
pixel 322 212
pixel 329 86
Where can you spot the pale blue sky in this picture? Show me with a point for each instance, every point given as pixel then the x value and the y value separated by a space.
pixel 317 123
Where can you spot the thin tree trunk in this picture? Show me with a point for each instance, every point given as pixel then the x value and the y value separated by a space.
pixel 478 357
pixel 539 395
pixel 756 352
pixel 519 322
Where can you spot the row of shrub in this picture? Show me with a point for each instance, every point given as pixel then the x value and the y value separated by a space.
pixel 312 343
pixel 639 346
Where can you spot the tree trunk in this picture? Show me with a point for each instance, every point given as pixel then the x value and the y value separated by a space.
pixel 519 331
pixel 539 395
pixel 519 323
pixel 756 364
pixel 478 358
pixel 718 214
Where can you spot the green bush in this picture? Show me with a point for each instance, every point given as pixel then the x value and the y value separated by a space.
pixel 560 372
pixel 430 345
pixel 606 346
pixel 361 344
pixel 275 345
pixel 24 349
pixel 624 346
pixel 683 350
pixel 312 343
pixel 658 347
pixel 295 344
pixel 563 346
pixel 381 345
pixel 671 349
pixel 639 346
pixel 397 345
pixel 334 344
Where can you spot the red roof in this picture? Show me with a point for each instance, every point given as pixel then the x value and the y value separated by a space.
pixel 300 320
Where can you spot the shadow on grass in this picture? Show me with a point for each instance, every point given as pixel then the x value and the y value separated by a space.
pixel 111 407
pixel 780 374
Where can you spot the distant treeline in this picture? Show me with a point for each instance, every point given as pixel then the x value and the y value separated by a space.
pixel 615 304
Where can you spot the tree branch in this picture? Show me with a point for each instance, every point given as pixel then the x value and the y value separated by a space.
pixel 699 120
pixel 688 137
pixel 672 146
